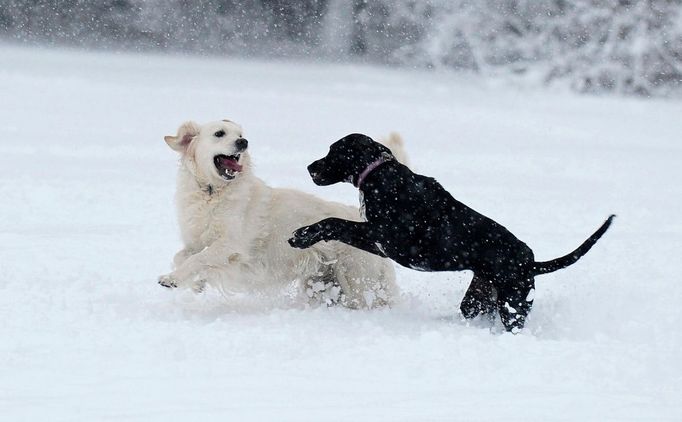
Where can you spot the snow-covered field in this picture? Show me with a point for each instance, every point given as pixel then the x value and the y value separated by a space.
pixel 87 224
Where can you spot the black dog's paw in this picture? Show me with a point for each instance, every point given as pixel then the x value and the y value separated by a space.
pixel 306 237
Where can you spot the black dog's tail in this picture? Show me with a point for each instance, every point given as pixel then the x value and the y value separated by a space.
pixel 571 258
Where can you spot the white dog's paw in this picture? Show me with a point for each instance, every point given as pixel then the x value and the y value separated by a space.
pixel 198 286
pixel 171 281
pixel 168 281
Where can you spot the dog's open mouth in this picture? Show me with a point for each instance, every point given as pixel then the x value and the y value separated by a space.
pixel 227 165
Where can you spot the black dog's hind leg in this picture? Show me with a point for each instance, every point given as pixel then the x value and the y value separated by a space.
pixel 353 233
pixel 514 302
pixel 479 298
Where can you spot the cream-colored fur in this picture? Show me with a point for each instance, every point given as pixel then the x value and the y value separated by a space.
pixel 235 231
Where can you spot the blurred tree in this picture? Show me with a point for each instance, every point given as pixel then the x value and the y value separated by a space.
pixel 629 46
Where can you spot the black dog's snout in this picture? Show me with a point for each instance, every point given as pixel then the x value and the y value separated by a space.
pixel 241 144
pixel 314 168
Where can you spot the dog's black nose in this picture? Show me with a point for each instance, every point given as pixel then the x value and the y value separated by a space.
pixel 314 168
pixel 241 144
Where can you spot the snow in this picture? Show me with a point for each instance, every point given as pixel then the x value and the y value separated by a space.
pixel 87 224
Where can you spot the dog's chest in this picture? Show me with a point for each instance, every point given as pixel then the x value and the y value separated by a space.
pixel 202 222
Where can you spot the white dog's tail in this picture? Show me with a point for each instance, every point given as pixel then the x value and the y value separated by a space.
pixel 395 143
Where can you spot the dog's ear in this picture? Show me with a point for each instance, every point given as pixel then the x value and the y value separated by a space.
pixel 186 133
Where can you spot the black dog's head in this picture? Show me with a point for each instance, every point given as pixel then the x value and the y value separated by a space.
pixel 347 158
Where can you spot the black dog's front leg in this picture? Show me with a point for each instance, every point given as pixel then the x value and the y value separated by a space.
pixel 353 233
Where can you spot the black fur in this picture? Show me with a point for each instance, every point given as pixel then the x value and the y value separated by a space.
pixel 413 220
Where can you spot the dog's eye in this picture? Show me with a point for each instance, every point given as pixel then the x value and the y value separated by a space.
pixel 219 134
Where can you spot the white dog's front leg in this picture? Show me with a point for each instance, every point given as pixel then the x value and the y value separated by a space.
pixel 209 265
pixel 182 256
pixel 169 280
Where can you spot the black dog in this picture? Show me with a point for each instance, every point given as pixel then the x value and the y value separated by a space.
pixel 414 221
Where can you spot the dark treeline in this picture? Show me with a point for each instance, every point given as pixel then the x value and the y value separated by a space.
pixel 628 46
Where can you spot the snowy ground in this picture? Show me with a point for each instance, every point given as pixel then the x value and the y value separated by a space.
pixel 87 224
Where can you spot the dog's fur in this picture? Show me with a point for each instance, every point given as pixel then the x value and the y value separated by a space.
pixel 235 228
pixel 413 220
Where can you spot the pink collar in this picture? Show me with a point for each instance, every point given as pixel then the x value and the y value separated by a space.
pixel 368 170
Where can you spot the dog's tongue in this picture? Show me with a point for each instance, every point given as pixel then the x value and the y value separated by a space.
pixel 230 163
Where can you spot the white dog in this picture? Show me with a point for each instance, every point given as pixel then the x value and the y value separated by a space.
pixel 235 228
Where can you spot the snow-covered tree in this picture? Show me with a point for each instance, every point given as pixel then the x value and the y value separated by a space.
pixel 628 46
